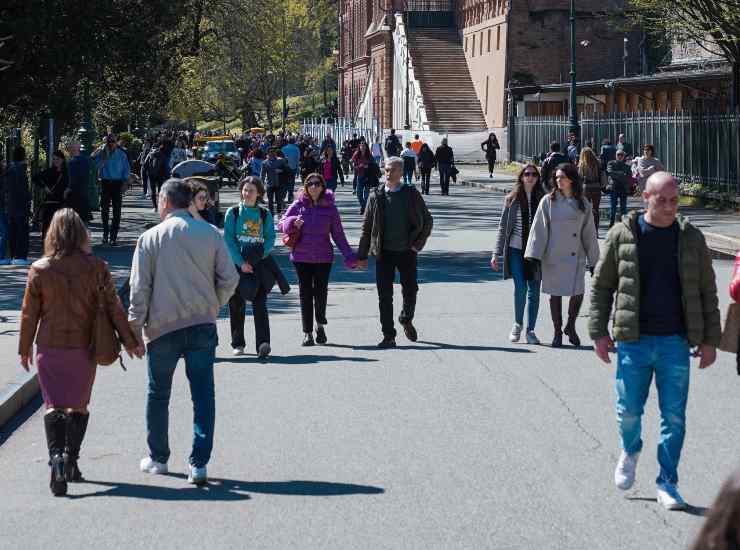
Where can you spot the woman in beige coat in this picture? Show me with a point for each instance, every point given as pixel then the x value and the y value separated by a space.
pixel 563 239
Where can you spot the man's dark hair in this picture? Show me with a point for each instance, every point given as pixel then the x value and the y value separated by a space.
pixel 19 154
pixel 393 130
pixel 178 193
pixel 555 146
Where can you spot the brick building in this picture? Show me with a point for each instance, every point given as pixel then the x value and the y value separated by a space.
pixel 501 42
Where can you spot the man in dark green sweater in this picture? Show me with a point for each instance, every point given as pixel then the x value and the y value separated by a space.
pixel 396 227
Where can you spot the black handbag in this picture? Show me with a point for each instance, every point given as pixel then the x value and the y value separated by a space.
pixel 532 270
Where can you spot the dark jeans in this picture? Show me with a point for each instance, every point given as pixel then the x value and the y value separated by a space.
pixel 154 187
pixel 385 273
pixel 288 191
pixel 363 191
pixel 47 213
pixel 491 164
pixel 237 314
pixel 197 345
pixel 444 177
pixel 313 288
pixel 18 236
pixel 426 174
pixel 595 198
pixel 111 191
pixel 275 195
pixel 622 199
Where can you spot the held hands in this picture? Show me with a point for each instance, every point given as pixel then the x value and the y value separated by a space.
pixel 247 268
pixel 298 223
pixel 603 346
pixel 361 264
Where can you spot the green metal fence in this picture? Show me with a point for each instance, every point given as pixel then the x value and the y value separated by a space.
pixel 697 148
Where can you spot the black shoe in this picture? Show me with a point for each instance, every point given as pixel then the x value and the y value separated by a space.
pixel 387 343
pixel 320 335
pixel 58 483
pixel 307 339
pixel 409 331
pixel 76 428
pixel 362 211
pixel 263 350
pixel 557 340
pixel 113 242
pixel 570 332
pixel 105 239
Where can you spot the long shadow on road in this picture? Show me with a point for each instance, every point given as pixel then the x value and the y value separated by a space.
pixel 218 489
pixel 295 359
pixel 431 346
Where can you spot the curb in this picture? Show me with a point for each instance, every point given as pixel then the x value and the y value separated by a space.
pixel 17 394
pixel 722 245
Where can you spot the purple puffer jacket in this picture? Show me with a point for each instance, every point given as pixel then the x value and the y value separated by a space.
pixel 319 222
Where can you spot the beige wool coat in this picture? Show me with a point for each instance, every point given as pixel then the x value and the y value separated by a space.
pixel 563 238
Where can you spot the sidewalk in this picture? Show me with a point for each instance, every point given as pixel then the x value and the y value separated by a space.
pixel 721 228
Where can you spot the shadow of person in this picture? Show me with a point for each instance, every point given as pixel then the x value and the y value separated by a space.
pixel 294 359
pixel 699 511
pixel 226 490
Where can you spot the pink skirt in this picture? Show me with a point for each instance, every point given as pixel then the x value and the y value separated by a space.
pixel 66 376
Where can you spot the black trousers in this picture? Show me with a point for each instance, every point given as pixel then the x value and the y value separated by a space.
pixel 491 164
pixel 275 195
pixel 313 289
pixel 426 174
pixel 385 273
pixel 237 314
pixel 154 187
pixel 111 192
pixel 47 213
pixel 18 232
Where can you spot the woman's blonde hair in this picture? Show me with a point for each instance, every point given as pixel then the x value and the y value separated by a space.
pixel 66 235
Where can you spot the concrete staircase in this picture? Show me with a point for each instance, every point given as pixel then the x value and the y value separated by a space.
pixel 451 103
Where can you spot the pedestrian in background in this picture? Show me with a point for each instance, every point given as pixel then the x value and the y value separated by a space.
pixel 645 166
pixel 444 160
pixel 360 161
pixel 393 144
pixel 620 184
pixel 59 307
pixel 79 178
pixel 553 159
pixel 313 221
pixel 55 183
pixel 622 145
pixel 272 170
pixel 181 276
pixel 659 266
pixel 607 153
pixel 489 147
pixel 309 165
pixel 377 151
pixel 331 169
pixel 292 155
pixel 426 163
pixel 113 171
pixel 250 237
pixel 416 144
pixel 18 207
pixel 563 239
pixel 520 207
pixel 590 174
pixel 395 229
pixel 409 164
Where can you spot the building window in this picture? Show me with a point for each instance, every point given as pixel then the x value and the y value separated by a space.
pixel 473 52
pixel 466 44
pixel 480 46
pixel 489 40
pixel 486 94
pixel 498 37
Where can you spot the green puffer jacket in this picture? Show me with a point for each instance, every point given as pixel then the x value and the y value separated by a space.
pixel 618 271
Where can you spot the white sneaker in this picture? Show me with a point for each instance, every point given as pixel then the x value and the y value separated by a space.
pixel 238 351
pixel 154 210
pixel 624 474
pixel 532 338
pixel 516 333
pixel 150 466
pixel 197 476
pixel 669 497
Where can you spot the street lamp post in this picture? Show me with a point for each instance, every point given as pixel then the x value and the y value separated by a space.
pixel 624 57
pixel 575 128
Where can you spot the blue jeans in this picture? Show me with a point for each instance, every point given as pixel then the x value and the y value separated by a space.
pixel 408 176
pixel 668 358
pixel 362 191
pixel 197 344
pixel 524 290
pixel 3 235
pixel 614 197
pixel 444 176
pixel 331 184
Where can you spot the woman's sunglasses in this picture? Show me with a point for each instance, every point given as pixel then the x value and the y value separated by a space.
pixel 528 174
pixel 314 183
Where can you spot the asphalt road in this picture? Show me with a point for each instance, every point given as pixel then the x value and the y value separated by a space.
pixel 461 440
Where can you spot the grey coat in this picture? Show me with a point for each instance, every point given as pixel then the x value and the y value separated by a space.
pixel 563 238
pixel 505 230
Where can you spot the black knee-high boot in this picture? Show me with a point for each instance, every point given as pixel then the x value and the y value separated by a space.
pixel 55 424
pixel 76 428
pixel 556 312
pixel 574 307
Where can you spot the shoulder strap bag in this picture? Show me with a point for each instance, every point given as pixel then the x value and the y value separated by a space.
pixel 105 345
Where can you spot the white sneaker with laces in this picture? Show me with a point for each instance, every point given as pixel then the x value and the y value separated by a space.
pixel 670 498
pixel 150 466
pixel 516 333
pixel 196 475
pixel 624 474
pixel 532 338
pixel 238 351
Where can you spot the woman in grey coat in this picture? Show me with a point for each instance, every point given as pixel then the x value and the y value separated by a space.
pixel 516 220
pixel 563 239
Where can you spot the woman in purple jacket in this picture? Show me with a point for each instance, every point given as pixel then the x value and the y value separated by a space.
pixel 313 218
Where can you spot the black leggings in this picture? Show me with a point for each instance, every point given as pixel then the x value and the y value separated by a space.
pixel 313 285
pixel 426 174
pixel 111 192
pixel 491 164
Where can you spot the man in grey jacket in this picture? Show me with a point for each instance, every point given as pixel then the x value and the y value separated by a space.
pixel 181 276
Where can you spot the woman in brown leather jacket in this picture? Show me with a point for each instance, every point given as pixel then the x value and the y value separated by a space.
pixel 58 312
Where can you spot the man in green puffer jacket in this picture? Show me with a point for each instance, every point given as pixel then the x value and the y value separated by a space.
pixel 660 268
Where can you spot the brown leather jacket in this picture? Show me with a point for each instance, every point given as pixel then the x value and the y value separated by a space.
pixel 60 301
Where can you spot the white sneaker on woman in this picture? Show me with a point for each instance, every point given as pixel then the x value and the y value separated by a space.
pixel 150 466
pixel 670 498
pixel 516 333
pixel 238 351
pixel 624 474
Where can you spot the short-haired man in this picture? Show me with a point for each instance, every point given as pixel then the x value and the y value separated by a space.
pixel 113 171
pixel 553 159
pixel 181 275
pixel 660 268
pixel 395 229
pixel 79 178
